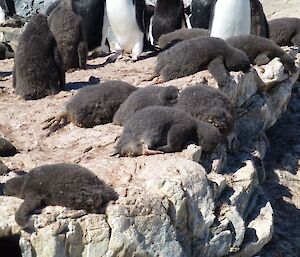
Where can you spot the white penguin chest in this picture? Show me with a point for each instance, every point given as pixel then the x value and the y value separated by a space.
pixel 231 18
pixel 122 18
pixel 2 15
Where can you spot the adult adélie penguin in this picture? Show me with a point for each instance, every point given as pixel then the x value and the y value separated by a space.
pixel 168 16
pixel 231 18
pixel 200 13
pixel 226 18
pixel 128 22
pixel 3 10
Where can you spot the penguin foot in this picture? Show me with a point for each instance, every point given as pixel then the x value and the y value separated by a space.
pixel 114 57
pixel 158 80
pixel 54 123
pixel 71 70
pixel 147 151
pixel 154 78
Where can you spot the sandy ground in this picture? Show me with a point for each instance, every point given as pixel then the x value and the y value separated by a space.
pixel 281 8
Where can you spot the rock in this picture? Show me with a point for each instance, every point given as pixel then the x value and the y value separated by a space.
pixel 3 169
pixel 146 217
pixel 11 35
pixel 7 148
pixel 259 232
pixel 272 73
pixel 220 244
pixel 172 212
pixel 193 153
pixel 218 184
pixel 244 183
pixel 169 204
pixel 263 110
pixel 8 226
pixel 26 8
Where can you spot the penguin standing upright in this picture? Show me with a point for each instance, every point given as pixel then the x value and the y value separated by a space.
pixel 67 29
pixel 200 13
pixel 231 18
pixel 168 16
pixel 127 21
pixel 226 18
pixel 2 15
pixel 3 10
pixel 95 22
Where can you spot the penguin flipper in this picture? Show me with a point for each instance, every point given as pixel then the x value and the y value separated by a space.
pixel 211 16
pixel 140 14
pixel 218 70
pixel 259 23
pixel 4 6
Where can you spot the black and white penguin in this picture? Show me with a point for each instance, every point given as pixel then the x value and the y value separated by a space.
pixel 2 15
pixel 6 51
pixel 168 16
pixel 200 13
pixel 7 10
pixel 227 23
pixel 3 10
pixel 127 21
pixel 95 23
pixel 226 18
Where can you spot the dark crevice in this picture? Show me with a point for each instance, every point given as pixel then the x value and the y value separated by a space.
pixel 9 246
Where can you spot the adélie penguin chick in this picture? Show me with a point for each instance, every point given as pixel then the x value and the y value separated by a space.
pixel 67 29
pixel 92 105
pixel 38 70
pixel 161 129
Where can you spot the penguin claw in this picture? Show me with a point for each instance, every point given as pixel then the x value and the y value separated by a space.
pixel 54 123
pixel 158 80
pixel 151 152
pixel 114 57
pixel 147 151
pixel 49 119
pixel 115 154
pixel 52 128
pixel 153 77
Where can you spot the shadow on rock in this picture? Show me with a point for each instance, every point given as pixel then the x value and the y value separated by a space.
pixel 4 74
pixel 282 182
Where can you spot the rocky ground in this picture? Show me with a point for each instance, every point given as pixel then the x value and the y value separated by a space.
pixel 20 122
pixel 281 8
pixel 282 185
pixel 282 160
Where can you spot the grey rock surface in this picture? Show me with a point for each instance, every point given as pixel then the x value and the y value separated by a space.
pixel 169 205
pixel 26 8
pixel 3 168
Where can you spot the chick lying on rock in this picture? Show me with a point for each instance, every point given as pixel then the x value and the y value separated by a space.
pixel 92 105
pixel 160 129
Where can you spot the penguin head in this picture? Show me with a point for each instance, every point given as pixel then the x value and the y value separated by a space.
pixel 237 60
pixel 168 95
pixel 13 187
